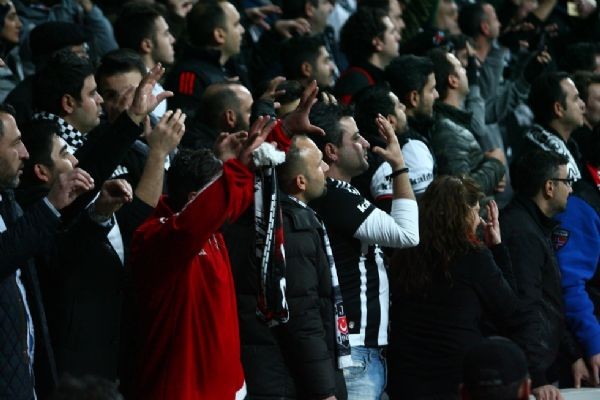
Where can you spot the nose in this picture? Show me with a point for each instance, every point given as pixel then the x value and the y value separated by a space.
pixel 23 153
pixel 402 107
pixel 436 95
pixel 99 98
pixel 74 160
pixel 324 166
pixel 365 143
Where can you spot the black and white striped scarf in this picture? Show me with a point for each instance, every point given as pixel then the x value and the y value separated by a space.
pixel 68 133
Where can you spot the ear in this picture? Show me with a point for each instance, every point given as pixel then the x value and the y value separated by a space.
pixel 330 151
pixel 377 44
pixel 392 120
pixel 300 182
pixel 524 390
pixel 309 10
pixel 68 104
pixel 219 35
pixel 230 118
pixel 485 28
pixel 146 46
pixel 558 109
pixel 414 98
pixel 453 81
pixel 42 172
pixel 549 189
pixel 306 69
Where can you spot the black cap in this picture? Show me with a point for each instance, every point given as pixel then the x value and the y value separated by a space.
pixel 49 37
pixel 495 361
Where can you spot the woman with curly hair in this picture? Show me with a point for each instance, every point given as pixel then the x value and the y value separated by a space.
pixel 442 290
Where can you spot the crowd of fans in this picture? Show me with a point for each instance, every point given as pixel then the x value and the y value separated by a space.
pixel 299 199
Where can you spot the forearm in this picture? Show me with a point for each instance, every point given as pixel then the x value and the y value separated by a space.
pixel 398 230
pixel 150 186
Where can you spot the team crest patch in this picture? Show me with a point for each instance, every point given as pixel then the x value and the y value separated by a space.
pixel 560 237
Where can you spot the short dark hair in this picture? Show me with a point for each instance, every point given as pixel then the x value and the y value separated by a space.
pixel 65 73
pixel 381 4
pixel 494 369
pixel 407 73
pixel 356 37
pixel 530 172
pixel 545 91
pixel 217 98
pixel 292 9
pixel 136 22
pixel 470 18
pixel 327 117
pixel 442 68
pixel 119 61
pixel 580 57
pixel 368 103
pixel 583 80
pixel 37 136
pixel 190 171
pixel 298 50
pixel 202 20
pixel 6 109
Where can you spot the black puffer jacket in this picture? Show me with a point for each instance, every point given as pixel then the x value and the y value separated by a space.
pixel 526 232
pixel 295 360
pixel 457 151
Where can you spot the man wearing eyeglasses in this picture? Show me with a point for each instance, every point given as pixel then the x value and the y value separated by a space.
pixel 542 183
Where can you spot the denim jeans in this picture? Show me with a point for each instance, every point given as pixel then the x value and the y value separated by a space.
pixel 366 379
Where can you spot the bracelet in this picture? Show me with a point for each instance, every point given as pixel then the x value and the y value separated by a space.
pixel 396 173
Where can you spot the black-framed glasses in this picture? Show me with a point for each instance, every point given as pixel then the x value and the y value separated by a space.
pixel 566 181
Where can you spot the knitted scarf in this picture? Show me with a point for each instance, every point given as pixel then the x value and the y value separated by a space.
pixel 68 133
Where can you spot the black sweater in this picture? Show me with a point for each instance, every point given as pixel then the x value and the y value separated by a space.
pixel 430 335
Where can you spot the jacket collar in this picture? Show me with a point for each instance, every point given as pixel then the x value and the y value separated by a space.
pixel 546 224
pixel 443 110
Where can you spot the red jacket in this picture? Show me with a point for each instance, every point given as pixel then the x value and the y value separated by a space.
pixel 188 315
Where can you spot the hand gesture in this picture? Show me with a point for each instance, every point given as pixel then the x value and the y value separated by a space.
pixel 286 27
pixel 229 145
pixel 491 227
pixel 259 131
pixel 167 134
pixel 68 187
pixel 392 152
pixel 297 121
pixel 113 195
pixel 271 93
pixel 580 373
pixel 258 14
pixel 144 101
pixel 547 392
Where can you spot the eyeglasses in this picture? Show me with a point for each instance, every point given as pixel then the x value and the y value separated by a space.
pixel 566 181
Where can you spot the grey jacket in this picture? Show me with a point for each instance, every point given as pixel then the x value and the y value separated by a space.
pixel 457 151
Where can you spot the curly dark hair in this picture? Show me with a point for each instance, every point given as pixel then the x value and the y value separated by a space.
pixel 445 232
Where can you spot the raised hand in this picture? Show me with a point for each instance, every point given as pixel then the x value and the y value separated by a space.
pixel 68 187
pixel 287 27
pixel 229 145
pixel 259 131
pixel 392 152
pixel 258 14
pixel 167 134
pixel 297 121
pixel 144 102
pixel 491 227
pixel 113 195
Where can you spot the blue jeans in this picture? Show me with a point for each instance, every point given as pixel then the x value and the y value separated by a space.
pixel 366 379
